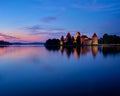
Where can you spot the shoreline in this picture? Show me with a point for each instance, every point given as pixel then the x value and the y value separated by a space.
pixel 108 45
pixel 104 45
pixel 86 45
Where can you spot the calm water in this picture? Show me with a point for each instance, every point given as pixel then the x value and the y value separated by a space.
pixel 40 71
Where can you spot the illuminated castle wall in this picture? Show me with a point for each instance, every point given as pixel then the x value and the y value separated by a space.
pixel 83 39
pixel 94 39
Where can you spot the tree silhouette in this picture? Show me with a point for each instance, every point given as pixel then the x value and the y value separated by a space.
pixel 4 43
pixel 52 42
pixel 78 40
pixel 110 39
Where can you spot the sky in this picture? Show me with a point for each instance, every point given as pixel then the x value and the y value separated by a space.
pixel 38 20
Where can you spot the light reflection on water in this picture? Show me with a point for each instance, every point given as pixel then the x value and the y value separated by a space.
pixel 40 71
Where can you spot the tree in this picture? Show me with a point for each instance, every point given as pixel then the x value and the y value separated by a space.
pixel 78 42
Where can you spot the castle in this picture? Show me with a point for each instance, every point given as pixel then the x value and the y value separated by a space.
pixel 79 39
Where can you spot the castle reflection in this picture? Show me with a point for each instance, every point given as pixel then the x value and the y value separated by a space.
pixel 77 51
pixel 84 50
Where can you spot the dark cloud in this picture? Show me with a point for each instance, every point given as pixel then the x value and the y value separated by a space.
pixel 34 28
pixel 37 29
pixel 8 36
pixel 12 38
pixel 58 29
pixel 49 19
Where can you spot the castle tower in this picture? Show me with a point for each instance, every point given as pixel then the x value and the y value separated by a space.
pixel 77 34
pixel 94 39
pixel 68 37
pixel 77 37
pixel 83 39
pixel 62 40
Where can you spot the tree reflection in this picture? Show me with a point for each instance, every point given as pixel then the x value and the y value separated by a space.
pixel 113 50
pixel 68 50
pixel 3 49
pixel 53 48
pixel 3 46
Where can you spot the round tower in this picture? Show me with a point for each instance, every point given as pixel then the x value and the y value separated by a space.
pixel 94 39
pixel 77 36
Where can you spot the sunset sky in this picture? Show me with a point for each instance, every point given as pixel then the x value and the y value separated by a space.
pixel 38 20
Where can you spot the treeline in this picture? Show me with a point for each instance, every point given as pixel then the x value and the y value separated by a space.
pixel 4 43
pixel 109 39
pixel 52 42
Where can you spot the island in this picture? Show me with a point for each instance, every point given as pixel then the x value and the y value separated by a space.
pixel 84 40
pixel 77 40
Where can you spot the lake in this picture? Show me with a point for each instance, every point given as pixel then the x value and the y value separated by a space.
pixel 57 71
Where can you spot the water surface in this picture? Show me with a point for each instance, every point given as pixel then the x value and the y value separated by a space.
pixel 40 71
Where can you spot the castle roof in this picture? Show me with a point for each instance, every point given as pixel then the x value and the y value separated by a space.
pixel 78 33
pixel 62 37
pixel 84 36
pixel 68 35
pixel 94 35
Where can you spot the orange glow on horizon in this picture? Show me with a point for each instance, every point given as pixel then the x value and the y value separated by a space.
pixel 13 52
pixel 24 37
pixel 2 38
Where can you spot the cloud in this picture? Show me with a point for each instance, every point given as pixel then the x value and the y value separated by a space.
pixel 37 29
pixel 49 19
pixel 57 29
pixel 94 5
pixel 34 28
pixel 8 37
